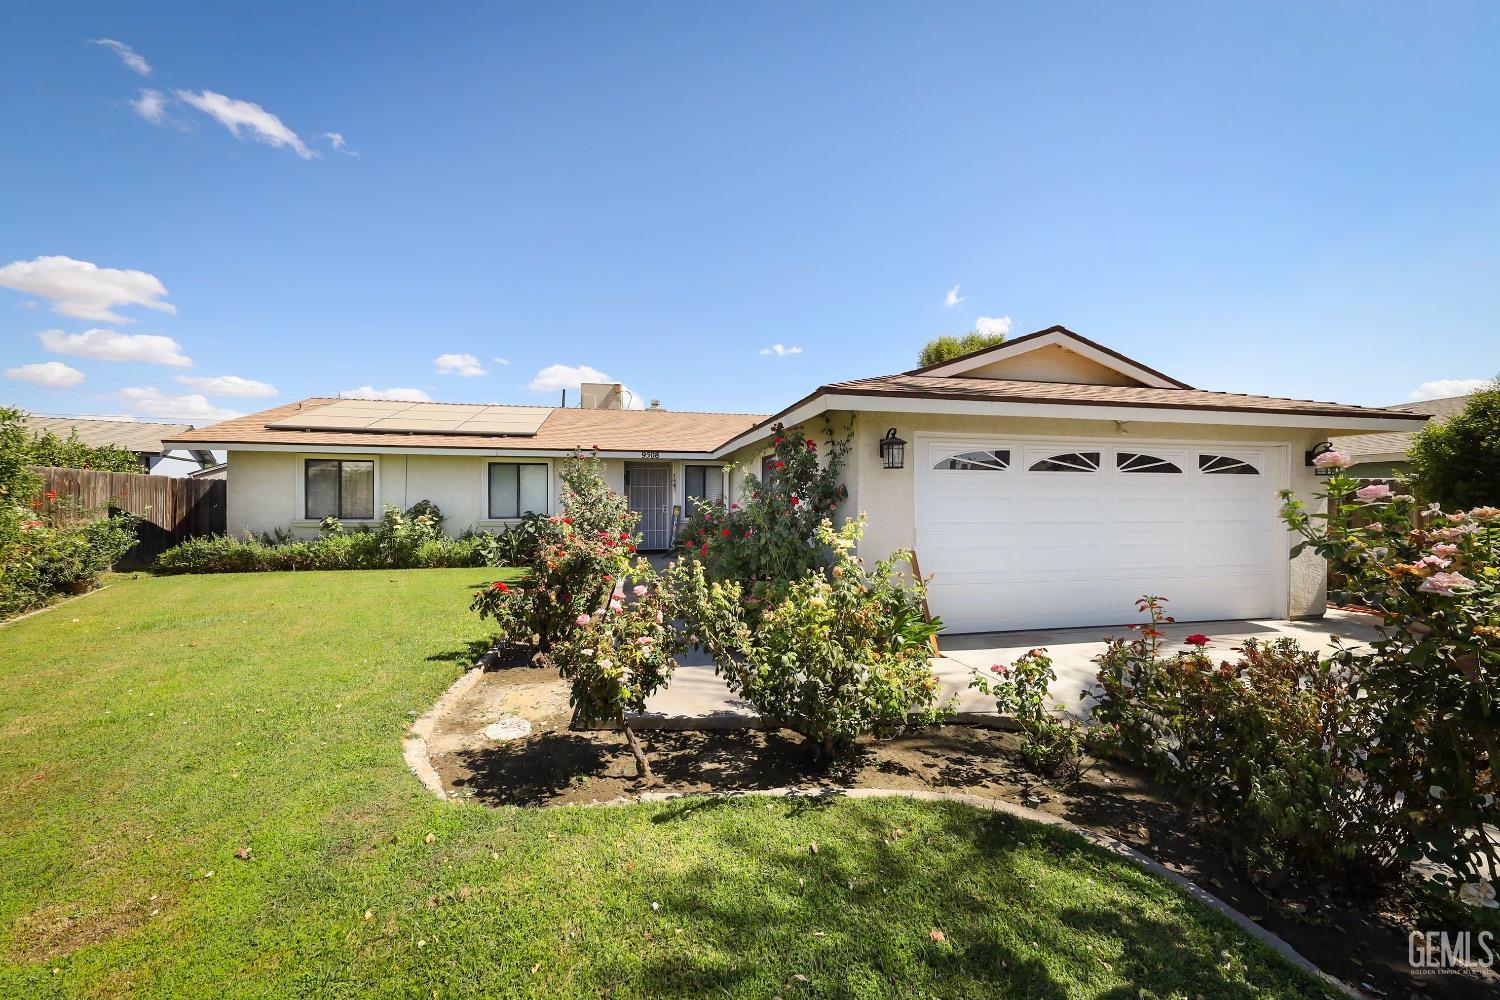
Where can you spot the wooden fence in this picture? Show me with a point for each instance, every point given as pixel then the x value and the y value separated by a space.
pixel 171 510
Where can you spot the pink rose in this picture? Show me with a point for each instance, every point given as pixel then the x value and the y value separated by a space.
pixel 1437 561
pixel 1333 460
pixel 639 590
pixel 1442 584
pixel 1375 491
pixel 1445 550
pixel 614 605
pixel 581 620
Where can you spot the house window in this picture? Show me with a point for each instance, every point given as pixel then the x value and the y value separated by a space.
pixel 980 461
pixel 1223 465
pixel 1127 461
pixel 517 488
pixel 336 488
pixel 1073 461
pixel 700 483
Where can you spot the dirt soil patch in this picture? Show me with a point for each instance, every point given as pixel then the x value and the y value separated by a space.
pixel 1361 941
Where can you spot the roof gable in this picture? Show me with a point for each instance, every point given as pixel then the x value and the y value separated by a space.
pixel 1057 355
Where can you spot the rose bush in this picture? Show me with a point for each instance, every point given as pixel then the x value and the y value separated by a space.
pixel 1270 747
pixel 770 535
pixel 1051 745
pixel 620 654
pixel 579 556
pixel 832 655
pixel 1431 676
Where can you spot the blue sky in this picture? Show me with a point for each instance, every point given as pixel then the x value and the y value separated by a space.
pixel 1293 199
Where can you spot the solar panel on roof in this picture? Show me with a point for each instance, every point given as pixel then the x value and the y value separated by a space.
pixel 393 417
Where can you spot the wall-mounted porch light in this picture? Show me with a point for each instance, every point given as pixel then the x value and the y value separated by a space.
pixel 892 450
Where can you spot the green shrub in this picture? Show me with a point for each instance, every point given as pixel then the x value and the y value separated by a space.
pixel 833 656
pixel 1051 746
pixel 620 655
pixel 410 539
pixel 579 556
pixel 770 536
pixel 1456 462
pixel 56 559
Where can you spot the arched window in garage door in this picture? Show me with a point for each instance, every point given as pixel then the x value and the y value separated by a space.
pixel 1073 461
pixel 1130 461
pixel 997 460
pixel 1225 465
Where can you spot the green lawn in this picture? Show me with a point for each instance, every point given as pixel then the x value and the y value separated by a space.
pixel 152 730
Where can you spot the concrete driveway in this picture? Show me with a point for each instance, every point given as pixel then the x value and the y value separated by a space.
pixel 698 699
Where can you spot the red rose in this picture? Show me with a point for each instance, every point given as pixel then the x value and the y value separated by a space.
pixel 51 494
pixel 624 536
pixel 747 534
pixel 795 501
pixel 777 441
pixel 567 520
pixel 500 586
pixel 780 464
pixel 1196 639
pixel 726 532
pixel 811 443
pixel 608 578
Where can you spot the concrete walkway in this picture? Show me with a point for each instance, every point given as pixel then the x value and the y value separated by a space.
pixel 698 699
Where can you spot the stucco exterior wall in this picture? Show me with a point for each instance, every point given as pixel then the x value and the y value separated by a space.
pixel 887 495
pixel 264 491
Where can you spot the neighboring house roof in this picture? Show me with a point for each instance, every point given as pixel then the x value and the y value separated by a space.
pixel 1393 446
pixel 562 430
pixel 132 435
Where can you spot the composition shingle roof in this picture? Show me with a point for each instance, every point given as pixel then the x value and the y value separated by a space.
pixel 132 435
pixel 562 430
pixel 1008 390
pixel 1369 446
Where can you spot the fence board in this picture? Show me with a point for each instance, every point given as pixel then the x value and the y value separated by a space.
pixel 171 510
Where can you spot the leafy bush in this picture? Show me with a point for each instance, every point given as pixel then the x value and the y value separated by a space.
pixel 48 545
pixel 770 536
pixel 410 539
pixel 948 347
pixel 1271 748
pixel 620 655
pixel 832 656
pixel 516 545
pixel 1456 463
pixel 1051 746
pixel 579 556
pixel 1430 678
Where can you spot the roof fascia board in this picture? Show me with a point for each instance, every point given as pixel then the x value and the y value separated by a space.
pixel 1067 411
pixel 1053 338
pixel 350 449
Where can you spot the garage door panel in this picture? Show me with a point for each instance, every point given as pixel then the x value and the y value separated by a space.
pixel 1024 549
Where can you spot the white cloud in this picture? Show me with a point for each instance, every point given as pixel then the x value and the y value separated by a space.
pixel 238 116
pixel 501 361
pixel 339 144
pixel 50 373
pixel 1444 387
pixel 993 326
pixel 780 350
pixel 111 345
pixel 83 290
pixel 465 365
pixel 127 55
pixel 394 392
pixel 228 385
pixel 555 377
pixel 952 298
pixel 151 105
pixel 192 407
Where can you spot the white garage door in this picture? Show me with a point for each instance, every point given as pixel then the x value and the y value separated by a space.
pixel 1040 534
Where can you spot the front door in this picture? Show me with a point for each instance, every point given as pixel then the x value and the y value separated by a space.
pixel 649 491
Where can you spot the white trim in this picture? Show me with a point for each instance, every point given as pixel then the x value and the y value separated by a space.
pixel 1002 352
pixel 334 450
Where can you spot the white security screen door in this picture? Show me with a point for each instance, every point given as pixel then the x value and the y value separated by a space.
pixel 1022 534
pixel 649 491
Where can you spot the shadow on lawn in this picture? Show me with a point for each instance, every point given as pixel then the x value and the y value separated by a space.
pixel 830 916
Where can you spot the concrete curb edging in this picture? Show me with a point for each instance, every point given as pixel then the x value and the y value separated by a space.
pixel 414 749
pixel 55 605
pixel 1107 843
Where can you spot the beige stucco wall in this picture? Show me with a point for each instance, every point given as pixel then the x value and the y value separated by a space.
pixel 1052 364
pixel 265 488
pixel 886 495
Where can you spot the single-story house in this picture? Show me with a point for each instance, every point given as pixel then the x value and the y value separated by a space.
pixel 1383 456
pixel 1047 481
pixel 141 437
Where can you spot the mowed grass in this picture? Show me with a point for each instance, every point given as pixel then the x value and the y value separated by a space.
pixel 151 730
